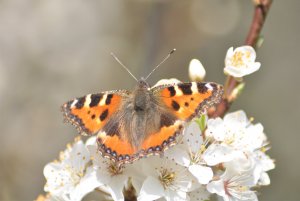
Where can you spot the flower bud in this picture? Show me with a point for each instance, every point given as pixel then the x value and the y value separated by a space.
pixel 196 70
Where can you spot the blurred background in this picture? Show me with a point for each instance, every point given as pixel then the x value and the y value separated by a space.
pixel 53 51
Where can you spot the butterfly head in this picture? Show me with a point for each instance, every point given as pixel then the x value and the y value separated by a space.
pixel 142 84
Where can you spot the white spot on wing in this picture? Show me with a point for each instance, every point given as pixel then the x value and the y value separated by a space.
pixel 178 91
pixel 178 123
pixel 194 88
pixel 101 134
pixel 87 100
pixel 74 102
pixel 102 102
pixel 181 110
pixel 209 86
pixel 171 81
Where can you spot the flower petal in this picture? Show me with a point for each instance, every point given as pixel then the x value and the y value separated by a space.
pixel 216 187
pixel 238 118
pixel 116 186
pixel 58 179
pixel 264 179
pixel 152 189
pixel 229 54
pixel 202 173
pixel 192 137
pixel 175 195
pixel 200 194
pixel 79 156
pixel 179 155
pixel 87 184
pixel 218 153
pixel 215 129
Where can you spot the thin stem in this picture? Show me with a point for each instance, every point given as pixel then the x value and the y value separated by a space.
pixel 260 13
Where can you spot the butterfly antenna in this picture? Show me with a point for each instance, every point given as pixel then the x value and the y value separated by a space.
pixel 172 51
pixel 116 58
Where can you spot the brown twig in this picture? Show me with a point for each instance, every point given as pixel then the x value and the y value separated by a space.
pixel 260 12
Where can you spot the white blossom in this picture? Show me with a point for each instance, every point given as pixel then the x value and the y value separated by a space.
pixel 234 135
pixel 235 183
pixel 241 61
pixel 190 153
pixel 165 179
pixel 263 163
pixel 71 178
pixel 114 176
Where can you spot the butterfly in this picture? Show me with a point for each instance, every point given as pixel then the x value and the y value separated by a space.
pixel 146 121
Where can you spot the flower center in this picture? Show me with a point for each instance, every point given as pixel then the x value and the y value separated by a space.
pixel 238 59
pixel 226 184
pixel 233 185
pixel 75 175
pixel 115 169
pixel 230 137
pixel 167 177
pixel 196 158
pixel 229 140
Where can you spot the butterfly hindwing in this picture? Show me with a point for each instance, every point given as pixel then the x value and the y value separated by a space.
pixel 186 100
pixel 165 137
pixel 90 113
pixel 120 150
pixel 114 147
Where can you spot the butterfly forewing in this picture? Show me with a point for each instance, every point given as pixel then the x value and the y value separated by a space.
pixel 91 112
pixel 186 100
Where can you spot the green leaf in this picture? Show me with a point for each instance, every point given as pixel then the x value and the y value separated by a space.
pixel 201 121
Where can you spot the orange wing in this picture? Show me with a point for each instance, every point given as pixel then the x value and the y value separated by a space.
pixel 164 138
pixel 90 113
pixel 186 100
pixel 117 149
pixel 120 151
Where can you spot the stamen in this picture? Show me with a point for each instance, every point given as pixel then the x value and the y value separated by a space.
pixel 167 178
pixel 237 59
pixel 115 169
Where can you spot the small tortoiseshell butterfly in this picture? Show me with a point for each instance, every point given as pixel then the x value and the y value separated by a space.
pixel 135 124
